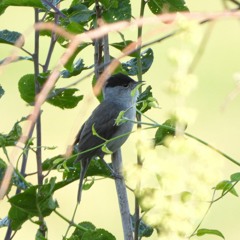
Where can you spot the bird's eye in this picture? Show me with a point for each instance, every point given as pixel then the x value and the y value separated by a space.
pixel 125 85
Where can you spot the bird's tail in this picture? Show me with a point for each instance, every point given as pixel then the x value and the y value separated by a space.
pixel 84 167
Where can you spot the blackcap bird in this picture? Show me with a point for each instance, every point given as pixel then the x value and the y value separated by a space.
pixel 117 98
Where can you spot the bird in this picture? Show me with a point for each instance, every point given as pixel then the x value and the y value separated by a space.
pixel 117 97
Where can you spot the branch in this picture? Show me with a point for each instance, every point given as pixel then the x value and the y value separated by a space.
pixel 122 196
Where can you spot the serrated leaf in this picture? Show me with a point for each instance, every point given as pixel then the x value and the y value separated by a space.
pixel 119 12
pixel 34 201
pixel 235 177
pixel 167 129
pixel 65 98
pixel 204 231
pixel 10 139
pixel 21 3
pixel 165 6
pixel 131 66
pixel 78 67
pixel 9 37
pixel 79 13
pixel 1 91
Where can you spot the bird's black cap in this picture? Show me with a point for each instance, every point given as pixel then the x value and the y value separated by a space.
pixel 119 79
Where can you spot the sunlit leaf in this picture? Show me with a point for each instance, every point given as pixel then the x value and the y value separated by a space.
pixel 204 231
pixel 235 177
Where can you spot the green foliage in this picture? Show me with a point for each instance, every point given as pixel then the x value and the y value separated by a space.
pixel 37 201
pixel 131 66
pixel 34 201
pixel 204 231
pixel 9 37
pixel 145 100
pixel 10 139
pixel 21 3
pixel 87 231
pixel 116 10
pixel 163 6
pixel 165 130
pixel 62 98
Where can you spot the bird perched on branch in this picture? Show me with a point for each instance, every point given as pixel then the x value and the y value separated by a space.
pixel 101 125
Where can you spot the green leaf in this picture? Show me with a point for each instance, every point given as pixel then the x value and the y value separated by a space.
pixel 78 233
pixel 131 66
pixel 65 98
pixel 106 150
pixel 164 6
pixel 235 177
pixel 120 12
pixel 1 91
pixel 26 87
pixel 121 45
pixel 59 97
pixel 204 231
pixel 17 217
pixel 3 167
pixel 167 129
pixel 120 118
pixel 98 234
pixel 226 186
pixel 69 65
pixel 9 37
pixel 78 67
pixel 11 138
pixel 21 3
pixel 88 184
pixel 144 230
pixel 143 98
pixel 34 201
pixel 109 3
pixel 79 13
pixel 88 231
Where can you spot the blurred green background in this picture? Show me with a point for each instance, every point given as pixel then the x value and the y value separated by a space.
pixel 218 126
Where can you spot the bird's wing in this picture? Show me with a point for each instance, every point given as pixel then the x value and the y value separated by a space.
pixel 103 120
